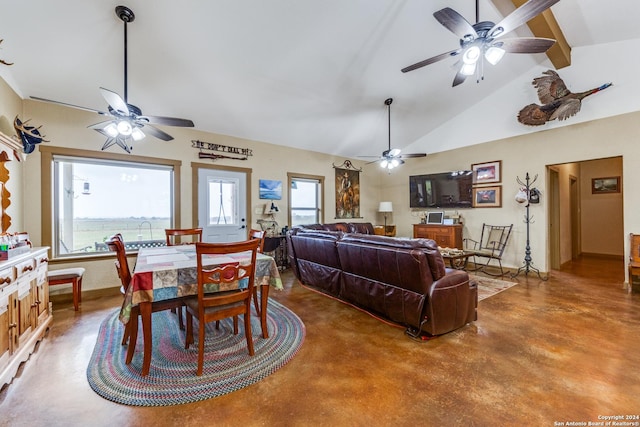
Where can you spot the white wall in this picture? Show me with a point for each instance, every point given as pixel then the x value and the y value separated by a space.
pixel 67 127
pixel 614 136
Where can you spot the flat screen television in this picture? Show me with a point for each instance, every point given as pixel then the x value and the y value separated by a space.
pixel 441 190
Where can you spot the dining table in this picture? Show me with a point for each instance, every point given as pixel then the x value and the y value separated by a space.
pixel 163 274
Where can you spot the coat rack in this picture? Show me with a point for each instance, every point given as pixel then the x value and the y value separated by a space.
pixel 527 267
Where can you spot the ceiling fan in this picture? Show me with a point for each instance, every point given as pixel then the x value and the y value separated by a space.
pixel 126 120
pixel 483 39
pixel 392 158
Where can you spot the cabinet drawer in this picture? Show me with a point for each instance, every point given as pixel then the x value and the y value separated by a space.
pixel 7 276
pixel 26 268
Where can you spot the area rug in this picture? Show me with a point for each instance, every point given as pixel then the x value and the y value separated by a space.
pixel 172 379
pixel 488 286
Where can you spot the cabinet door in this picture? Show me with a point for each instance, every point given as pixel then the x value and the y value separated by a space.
pixel 42 296
pixel 24 308
pixel 8 318
pixel 26 298
pixel 4 329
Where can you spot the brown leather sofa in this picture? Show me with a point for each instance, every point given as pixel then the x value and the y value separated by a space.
pixel 403 280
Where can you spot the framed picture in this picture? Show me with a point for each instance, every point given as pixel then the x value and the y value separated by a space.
pixel 606 185
pixel 487 173
pixel 347 193
pixel 487 197
pixel 269 189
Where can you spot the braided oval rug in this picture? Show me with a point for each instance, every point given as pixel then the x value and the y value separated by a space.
pixel 172 379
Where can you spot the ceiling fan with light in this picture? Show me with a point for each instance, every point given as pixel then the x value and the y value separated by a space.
pixel 126 122
pixel 483 39
pixel 392 158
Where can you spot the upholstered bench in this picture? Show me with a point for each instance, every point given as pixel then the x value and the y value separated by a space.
pixel 68 275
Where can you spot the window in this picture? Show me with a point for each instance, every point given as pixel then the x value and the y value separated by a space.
pixel 306 195
pixel 94 197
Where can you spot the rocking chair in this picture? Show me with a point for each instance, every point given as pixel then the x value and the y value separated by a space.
pixel 491 246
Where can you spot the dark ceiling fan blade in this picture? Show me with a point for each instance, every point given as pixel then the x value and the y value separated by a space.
pixel 525 44
pixel 519 16
pixel 154 131
pixel 459 78
pixel 431 60
pixel 70 105
pixel 412 155
pixel 169 121
pixel 373 161
pixel 115 101
pixel 456 23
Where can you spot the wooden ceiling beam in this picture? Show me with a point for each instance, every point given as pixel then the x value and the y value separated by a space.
pixel 545 25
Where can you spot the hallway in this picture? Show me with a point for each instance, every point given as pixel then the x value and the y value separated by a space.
pixel 540 352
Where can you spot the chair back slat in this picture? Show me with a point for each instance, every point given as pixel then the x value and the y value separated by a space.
pixel 227 283
pixel 116 244
pixel 183 236
pixel 258 234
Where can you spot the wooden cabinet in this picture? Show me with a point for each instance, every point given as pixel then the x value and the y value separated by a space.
pixel 446 236
pixel 25 314
pixel 380 230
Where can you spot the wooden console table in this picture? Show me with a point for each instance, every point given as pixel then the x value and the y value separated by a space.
pixel 446 236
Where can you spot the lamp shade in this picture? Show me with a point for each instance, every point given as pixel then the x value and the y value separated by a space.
pixel 385 207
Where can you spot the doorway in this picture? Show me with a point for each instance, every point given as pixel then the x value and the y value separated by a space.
pixel 220 203
pixel 584 222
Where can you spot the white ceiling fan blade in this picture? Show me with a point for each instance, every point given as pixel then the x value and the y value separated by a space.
pixel 37 98
pixel 115 101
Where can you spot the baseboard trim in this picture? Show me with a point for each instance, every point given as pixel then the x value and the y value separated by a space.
pixel 91 294
pixel 601 256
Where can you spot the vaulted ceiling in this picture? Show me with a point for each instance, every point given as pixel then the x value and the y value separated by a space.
pixel 315 74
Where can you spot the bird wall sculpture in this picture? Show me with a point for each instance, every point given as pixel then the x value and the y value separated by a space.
pixel 557 101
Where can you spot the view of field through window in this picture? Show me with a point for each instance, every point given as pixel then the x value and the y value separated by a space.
pixel 98 199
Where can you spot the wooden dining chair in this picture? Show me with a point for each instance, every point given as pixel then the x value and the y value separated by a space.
pixel 257 234
pixel 115 244
pixel 223 291
pixel 183 236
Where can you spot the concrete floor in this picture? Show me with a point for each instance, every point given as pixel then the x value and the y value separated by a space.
pixel 540 353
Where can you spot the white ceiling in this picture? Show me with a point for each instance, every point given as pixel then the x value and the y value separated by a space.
pixel 311 74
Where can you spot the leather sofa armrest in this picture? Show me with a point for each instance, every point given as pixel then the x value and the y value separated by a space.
pixel 452 303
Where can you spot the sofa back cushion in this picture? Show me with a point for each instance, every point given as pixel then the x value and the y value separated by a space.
pixel 361 228
pixel 350 227
pixel 409 251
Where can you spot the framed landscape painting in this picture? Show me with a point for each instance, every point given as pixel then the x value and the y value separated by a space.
pixel 487 197
pixel 269 189
pixel 487 173
pixel 605 185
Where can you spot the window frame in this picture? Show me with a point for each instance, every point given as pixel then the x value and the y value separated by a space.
pixel 47 154
pixel 306 177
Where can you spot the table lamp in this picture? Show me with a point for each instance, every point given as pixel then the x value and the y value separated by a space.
pixel 385 207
